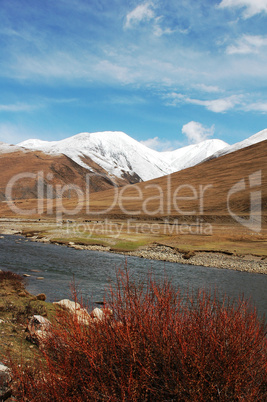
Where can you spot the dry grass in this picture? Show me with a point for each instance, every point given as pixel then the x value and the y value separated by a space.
pixel 16 307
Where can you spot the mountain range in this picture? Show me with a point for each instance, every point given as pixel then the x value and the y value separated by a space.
pixel 236 182
pixel 120 155
pixel 112 158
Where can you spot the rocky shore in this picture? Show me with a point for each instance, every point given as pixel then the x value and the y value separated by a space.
pixel 247 263
pixel 160 252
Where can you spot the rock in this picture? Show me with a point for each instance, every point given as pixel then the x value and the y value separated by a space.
pixel 5 381
pixel 69 305
pixel 82 314
pixel 26 275
pixel 41 297
pixel 99 314
pixel 187 255
pixel 38 329
pixel 40 277
pixel 75 308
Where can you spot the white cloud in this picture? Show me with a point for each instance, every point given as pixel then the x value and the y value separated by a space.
pixel 63 66
pixel 196 132
pixel 252 7
pixel 244 102
pixel 143 12
pixel 247 44
pixel 114 70
pixel 161 145
pixel 257 107
pixel 220 105
pixel 17 107
pixel 159 31
pixel 207 88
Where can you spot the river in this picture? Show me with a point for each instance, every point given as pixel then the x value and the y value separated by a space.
pixel 93 271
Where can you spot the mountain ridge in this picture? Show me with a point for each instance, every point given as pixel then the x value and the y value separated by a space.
pixel 119 154
pixel 254 139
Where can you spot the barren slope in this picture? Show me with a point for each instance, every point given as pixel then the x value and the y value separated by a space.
pixel 20 171
pixel 202 190
pixel 205 188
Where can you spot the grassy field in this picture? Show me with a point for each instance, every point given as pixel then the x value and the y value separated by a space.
pixel 120 235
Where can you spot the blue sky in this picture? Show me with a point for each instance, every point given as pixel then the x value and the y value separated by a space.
pixel 166 72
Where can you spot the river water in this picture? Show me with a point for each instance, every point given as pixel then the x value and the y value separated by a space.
pixel 93 271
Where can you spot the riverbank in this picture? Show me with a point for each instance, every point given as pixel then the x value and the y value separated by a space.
pixel 129 339
pixel 17 305
pixel 247 263
pixel 48 232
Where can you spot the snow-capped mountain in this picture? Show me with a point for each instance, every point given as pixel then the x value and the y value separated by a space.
pixel 254 139
pixel 7 148
pixel 121 155
pixel 115 152
pixel 191 155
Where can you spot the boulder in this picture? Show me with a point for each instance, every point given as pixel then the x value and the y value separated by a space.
pixel 82 314
pixel 75 308
pixel 38 329
pixel 69 305
pixel 99 314
pixel 5 381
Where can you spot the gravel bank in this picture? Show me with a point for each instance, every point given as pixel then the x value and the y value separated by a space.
pixel 248 263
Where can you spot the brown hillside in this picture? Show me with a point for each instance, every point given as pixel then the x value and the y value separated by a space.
pixel 55 171
pixel 202 190
pixel 199 190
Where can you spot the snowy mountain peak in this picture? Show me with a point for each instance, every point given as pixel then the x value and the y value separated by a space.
pixel 119 154
pixel 193 154
pixel 254 139
pixel 7 148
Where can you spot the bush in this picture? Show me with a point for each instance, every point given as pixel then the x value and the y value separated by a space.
pixel 159 345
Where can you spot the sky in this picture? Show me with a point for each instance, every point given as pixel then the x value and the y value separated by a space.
pixel 166 72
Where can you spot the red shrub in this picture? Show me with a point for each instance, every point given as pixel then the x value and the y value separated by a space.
pixel 158 346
